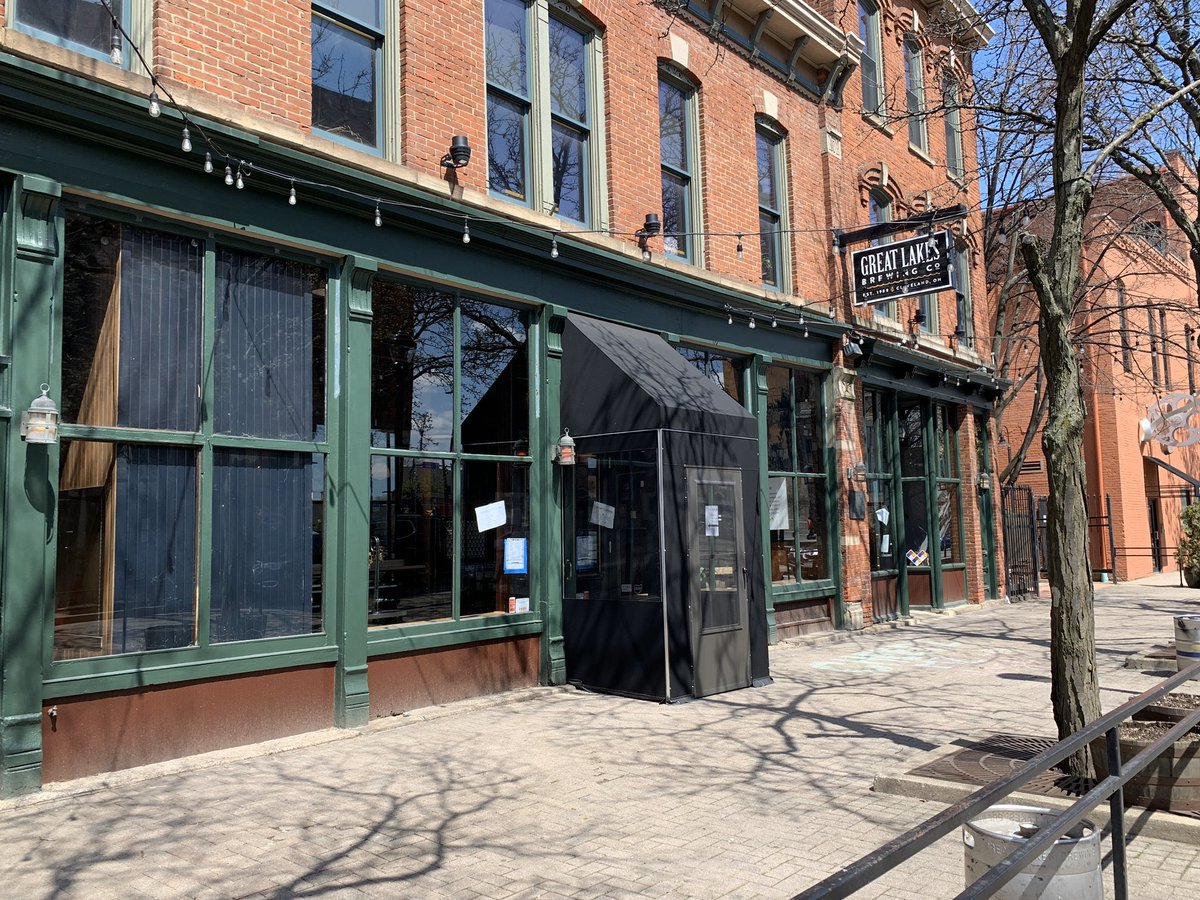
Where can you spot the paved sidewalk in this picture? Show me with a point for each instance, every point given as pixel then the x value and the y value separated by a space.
pixel 758 793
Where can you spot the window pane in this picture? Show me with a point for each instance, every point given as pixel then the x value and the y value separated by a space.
pixel 868 30
pixel 675 215
pixel 914 83
pixel 495 379
pixel 875 435
pixel 365 11
pixel 615 540
pixel 84 22
pixel 782 499
pixel 812 537
pixel 810 423
pixel 882 524
pixel 412 367
pixel 343 82
pixel 950 523
pixel 495 558
pixel 912 441
pixel 126 570
pixel 768 241
pixel 672 125
pixel 131 326
pixel 567 161
pixel 720 369
pixel 504 36
pixel 270 347
pixel 412 533
pixel 506 147
pixel 568 72
pixel 916 523
pixel 780 453
pixel 267 544
pixel 767 193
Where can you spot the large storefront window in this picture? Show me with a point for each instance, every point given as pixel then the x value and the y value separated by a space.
pixel 796 481
pixel 880 479
pixel 176 524
pixel 949 505
pixel 725 371
pixel 450 473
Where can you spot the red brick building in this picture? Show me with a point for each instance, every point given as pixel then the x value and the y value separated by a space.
pixel 314 362
pixel 1137 341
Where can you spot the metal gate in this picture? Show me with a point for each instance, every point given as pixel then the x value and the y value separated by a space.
pixel 1020 540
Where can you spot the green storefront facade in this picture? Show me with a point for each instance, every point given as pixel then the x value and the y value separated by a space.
pixel 285 427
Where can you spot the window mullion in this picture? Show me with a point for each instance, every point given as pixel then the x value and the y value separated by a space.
pixel 205 481
pixel 541 130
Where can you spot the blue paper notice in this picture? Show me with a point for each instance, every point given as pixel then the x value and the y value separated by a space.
pixel 516 556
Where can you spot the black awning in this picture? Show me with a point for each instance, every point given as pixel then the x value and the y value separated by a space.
pixel 618 379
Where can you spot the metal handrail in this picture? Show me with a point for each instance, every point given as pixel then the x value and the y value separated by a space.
pixel 877 863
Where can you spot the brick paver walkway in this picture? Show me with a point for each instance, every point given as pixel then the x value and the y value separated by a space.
pixel 757 793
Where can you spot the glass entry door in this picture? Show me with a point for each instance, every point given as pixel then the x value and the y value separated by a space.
pixel 717 601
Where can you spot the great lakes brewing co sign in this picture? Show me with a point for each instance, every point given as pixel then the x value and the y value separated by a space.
pixel 886 272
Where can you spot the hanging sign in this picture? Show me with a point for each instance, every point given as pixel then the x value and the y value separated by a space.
pixel 1174 421
pixel 886 272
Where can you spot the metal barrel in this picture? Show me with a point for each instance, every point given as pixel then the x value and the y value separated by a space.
pixel 1187 641
pixel 1069 870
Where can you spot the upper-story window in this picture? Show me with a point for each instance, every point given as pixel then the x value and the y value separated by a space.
pixel 678 138
pixel 772 204
pixel 347 37
pixel 1123 323
pixel 871 66
pixel 914 90
pixel 960 278
pixel 81 25
pixel 952 117
pixel 879 211
pixel 542 108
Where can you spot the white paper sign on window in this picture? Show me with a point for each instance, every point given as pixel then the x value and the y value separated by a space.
pixel 781 517
pixel 603 515
pixel 493 515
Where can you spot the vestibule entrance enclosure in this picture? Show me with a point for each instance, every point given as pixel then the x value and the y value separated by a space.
pixel 663 593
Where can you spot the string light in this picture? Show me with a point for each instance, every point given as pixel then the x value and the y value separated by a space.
pixel 730 322
pixel 186 143
pixel 154 109
pixel 208 166
pixel 466 232
pixel 116 54
pixel 241 183
pixel 554 248
pixel 229 175
pixel 753 324
pixel 292 195
pixel 741 251
pixel 775 322
pixel 378 216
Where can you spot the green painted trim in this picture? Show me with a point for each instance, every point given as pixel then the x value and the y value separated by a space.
pixel 756 392
pixel 790 592
pixel 447 633
pixel 550 506
pixel 138 674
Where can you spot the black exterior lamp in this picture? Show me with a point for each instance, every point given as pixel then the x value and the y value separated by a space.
pixel 460 153
pixel 651 227
pixel 852 346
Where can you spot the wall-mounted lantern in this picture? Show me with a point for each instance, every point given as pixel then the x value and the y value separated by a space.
pixel 39 423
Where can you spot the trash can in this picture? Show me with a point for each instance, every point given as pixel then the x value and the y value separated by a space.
pixel 1187 641
pixel 1069 870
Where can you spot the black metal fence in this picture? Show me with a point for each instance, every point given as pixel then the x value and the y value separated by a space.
pixel 1020 540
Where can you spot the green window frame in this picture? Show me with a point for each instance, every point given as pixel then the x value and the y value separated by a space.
pixel 240 420
pixel 800 514
pixel 433 532
pixel 345 30
pixel 914 92
pixel 948 495
pixel 964 306
pixel 871 70
pixel 879 458
pixel 952 120
pixel 679 157
pixel 774 237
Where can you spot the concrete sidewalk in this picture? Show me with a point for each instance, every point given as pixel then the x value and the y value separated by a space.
pixel 758 793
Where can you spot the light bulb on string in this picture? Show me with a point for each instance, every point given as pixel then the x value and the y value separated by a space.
pixel 186 143
pixel 292 195
pixel 775 322
pixel 116 54
pixel 154 109
pixel 378 216
pixel 730 321
pixel 466 232
pixel 741 251
pixel 229 175
pixel 803 327
pixel 554 248
pixel 240 183
pixel 753 324
pixel 208 166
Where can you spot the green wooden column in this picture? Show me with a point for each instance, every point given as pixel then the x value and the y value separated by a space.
pixel 547 549
pixel 350 479
pixel 31 256
pixel 757 377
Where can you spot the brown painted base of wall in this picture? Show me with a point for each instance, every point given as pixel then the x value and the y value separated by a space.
pixel 104 732
pixel 430 677
pixel 799 617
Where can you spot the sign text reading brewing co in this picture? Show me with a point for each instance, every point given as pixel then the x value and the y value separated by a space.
pixel 886 272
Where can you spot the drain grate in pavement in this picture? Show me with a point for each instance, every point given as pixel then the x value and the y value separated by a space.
pixel 998 756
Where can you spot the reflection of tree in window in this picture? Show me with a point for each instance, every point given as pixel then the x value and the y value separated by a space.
pixel 495 379
pixel 568 109
pixel 507 97
pixel 343 81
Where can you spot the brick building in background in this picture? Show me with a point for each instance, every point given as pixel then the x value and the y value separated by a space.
pixel 1136 333
pixel 314 371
